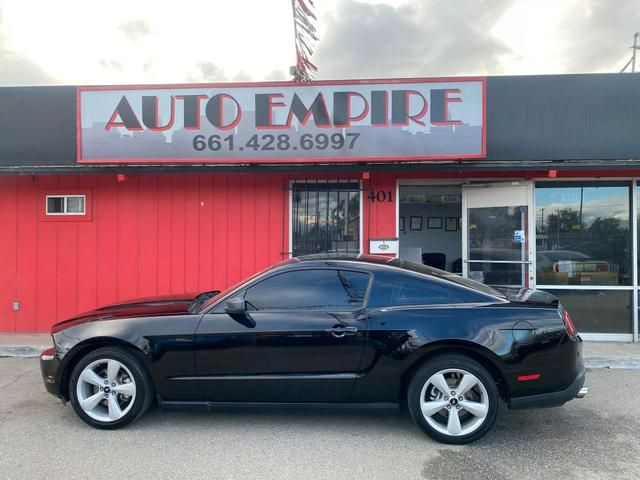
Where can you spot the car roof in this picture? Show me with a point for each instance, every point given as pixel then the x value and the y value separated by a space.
pixel 323 257
pixel 373 262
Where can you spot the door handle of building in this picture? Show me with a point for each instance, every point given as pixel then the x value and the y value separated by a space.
pixel 342 331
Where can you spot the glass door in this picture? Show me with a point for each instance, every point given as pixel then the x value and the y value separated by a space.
pixel 495 234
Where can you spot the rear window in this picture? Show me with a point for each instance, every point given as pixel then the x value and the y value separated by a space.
pixel 451 277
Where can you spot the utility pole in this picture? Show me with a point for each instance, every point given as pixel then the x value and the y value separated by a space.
pixel 634 50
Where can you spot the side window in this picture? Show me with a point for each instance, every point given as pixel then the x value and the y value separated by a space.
pixel 404 290
pixel 418 292
pixel 311 290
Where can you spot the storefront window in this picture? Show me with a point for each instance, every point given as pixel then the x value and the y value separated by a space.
pixel 583 233
pixel 598 311
pixel 325 218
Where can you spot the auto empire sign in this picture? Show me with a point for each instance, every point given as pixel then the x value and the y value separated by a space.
pixel 385 120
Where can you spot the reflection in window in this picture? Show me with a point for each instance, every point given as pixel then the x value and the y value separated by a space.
pixel 598 311
pixel 416 292
pixel 583 233
pixel 325 218
pixel 491 233
pixel 310 290
pixel 498 234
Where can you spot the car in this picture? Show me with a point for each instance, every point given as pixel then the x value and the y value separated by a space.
pixel 568 267
pixel 330 331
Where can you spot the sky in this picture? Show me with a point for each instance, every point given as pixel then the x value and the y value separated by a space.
pixel 149 41
pixel 603 202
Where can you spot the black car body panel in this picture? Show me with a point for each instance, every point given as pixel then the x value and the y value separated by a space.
pixel 359 355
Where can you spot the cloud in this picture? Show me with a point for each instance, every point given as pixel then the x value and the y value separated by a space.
pixel 17 69
pixel 242 76
pixel 613 206
pixel 595 33
pixel 111 64
pixel 418 38
pixel 135 29
pixel 275 75
pixel 207 72
pixel 211 72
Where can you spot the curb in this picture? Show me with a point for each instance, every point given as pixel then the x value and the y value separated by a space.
pixel 22 351
pixel 616 363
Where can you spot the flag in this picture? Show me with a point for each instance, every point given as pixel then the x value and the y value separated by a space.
pixel 305 39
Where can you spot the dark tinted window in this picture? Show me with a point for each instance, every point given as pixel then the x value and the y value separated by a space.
pixel 450 277
pixel 310 289
pixel 416 292
pixel 389 290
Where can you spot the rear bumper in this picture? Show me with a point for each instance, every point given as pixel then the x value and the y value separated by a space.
pixel 552 399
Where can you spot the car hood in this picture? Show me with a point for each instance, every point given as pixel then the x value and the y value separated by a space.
pixel 140 307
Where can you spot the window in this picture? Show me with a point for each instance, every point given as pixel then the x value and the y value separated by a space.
pixel 440 274
pixel 416 292
pixel 389 290
pixel 583 233
pixel 325 218
pixel 598 311
pixel 66 204
pixel 311 290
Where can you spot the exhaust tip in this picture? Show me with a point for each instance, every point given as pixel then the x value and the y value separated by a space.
pixel 583 392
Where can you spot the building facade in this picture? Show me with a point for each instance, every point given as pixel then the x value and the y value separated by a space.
pixel 114 193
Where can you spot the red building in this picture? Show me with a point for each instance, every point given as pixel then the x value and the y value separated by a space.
pixel 113 193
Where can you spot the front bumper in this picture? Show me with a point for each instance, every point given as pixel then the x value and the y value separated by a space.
pixel 552 399
pixel 49 367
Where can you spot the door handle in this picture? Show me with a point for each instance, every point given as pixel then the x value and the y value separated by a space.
pixel 342 331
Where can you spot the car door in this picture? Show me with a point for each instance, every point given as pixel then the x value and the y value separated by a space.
pixel 300 340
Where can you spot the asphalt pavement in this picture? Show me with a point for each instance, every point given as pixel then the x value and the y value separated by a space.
pixel 594 438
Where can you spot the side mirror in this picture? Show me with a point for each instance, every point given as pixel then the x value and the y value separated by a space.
pixel 236 306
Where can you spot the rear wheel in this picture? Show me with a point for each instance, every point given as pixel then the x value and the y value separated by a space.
pixel 453 399
pixel 110 388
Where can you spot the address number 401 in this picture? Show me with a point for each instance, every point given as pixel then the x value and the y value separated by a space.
pixel 380 196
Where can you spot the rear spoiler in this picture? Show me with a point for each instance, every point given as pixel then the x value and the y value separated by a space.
pixel 528 295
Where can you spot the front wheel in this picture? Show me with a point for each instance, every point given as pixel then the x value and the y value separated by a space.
pixel 453 399
pixel 110 388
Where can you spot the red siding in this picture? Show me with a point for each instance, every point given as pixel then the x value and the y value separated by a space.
pixel 8 247
pixel 149 234
pixel 153 234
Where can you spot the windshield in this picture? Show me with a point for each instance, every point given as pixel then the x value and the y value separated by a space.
pixel 452 277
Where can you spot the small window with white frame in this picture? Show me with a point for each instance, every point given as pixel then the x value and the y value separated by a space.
pixel 66 204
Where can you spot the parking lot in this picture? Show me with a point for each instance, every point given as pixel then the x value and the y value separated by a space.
pixel 594 438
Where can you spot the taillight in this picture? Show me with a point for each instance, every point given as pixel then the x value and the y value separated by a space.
pixel 602 267
pixel 568 324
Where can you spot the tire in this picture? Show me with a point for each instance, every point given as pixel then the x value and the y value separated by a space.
pixel 110 388
pixel 480 396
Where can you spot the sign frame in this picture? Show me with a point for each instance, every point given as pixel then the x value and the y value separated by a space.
pixel 384 246
pixel 288 160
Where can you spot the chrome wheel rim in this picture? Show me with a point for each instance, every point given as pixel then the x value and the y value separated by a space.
pixel 454 402
pixel 106 390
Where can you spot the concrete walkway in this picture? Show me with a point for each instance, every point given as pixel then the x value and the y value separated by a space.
pixel 612 355
pixel 24 344
pixel 597 354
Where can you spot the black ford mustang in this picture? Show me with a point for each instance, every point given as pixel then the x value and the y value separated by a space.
pixel 325 331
